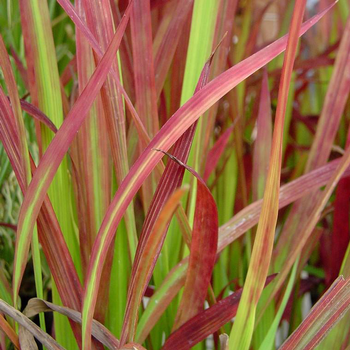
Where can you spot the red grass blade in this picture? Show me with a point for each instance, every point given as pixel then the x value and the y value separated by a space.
pixel 170 180
pixel 144 265
pixel 223 32
pixel 36 113
pixel 206 322
pixel 323 316
pixel 173 173
pixel 165 43
pixel 216 152
pixel 262 146
pixel 340 234
pixel 144 79
pixel 202 252
pixel 141 34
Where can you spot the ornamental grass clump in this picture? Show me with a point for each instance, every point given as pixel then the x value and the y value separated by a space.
pixel 174 174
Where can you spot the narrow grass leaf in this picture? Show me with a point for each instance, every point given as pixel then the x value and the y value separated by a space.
pixel 161 299
pixel 323 316
pixel 141 37
pixel 171 179
pixel 173 173
pixel 334 103
pixel 314 216
pixel 269 339
pixel 202 252
pixel 144 265
pixel 46 93
pixel 216 152
pixel 262 145
pixel 36 113
pixel 144 80
pixel 93 150
pixel 100 21
pixel 166 40
pixel 206 322
pixel 340 240
pixel 340 237
pixel 242 330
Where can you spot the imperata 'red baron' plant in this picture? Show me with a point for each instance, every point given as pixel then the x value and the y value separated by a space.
pixel 175 174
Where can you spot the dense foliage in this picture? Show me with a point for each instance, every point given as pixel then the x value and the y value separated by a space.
pixel 174 174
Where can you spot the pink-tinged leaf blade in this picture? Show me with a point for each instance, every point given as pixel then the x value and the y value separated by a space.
pixel 166 40
pixel 144 80
pixel 141 34
pixel 216 152
pixel 323 316
pixel 36 113
pixel 91 152
pixel 262 145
